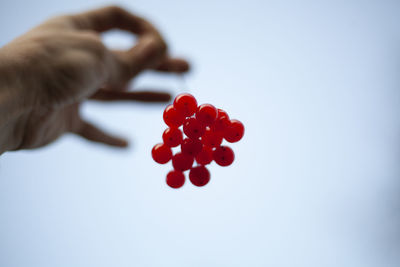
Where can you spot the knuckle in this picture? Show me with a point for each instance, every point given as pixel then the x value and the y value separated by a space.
pixel 92 42
pixel 91 36
pixel 73 21
pixel 163 47
pixel 159 46
pixel 115 9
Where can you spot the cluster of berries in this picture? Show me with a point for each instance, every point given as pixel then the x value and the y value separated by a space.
pixel 205 127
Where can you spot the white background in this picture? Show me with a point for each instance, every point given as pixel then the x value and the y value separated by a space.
pixel 315 181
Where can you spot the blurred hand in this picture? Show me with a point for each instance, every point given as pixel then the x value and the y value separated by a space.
pixel 46 73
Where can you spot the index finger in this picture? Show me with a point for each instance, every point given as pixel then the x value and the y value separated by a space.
pixel 112 17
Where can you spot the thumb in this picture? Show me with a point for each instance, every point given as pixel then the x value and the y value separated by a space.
pixel 148 53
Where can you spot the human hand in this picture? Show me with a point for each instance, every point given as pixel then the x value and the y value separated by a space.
pixel 49 71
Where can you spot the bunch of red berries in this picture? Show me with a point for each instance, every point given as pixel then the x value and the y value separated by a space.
pixel 205 128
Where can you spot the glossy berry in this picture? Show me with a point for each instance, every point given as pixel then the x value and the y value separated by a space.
pixel 191 147
pixel 206 114
pixel 222 121
pixel 182 162
pixel 211 138
pixel 223 156
pixel 222 113
pixel 205 156
pixel 161 153
pixel 172 117
pixel 172 137
pixel 199 176
pixel 193 128
pixel 234 132
pixel 185 104
pixel 175 179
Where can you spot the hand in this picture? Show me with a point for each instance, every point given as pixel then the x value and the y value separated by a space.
pixel 49 71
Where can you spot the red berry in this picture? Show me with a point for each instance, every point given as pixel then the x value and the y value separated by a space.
pixel 193 128
pixel 185 104
pixel 211 138
pixel 175 179
pixel 161 153
pixel 172 137
pixel 172 117
pixel 191 147
pixel 222 113
pixel 234 132
pixel 182 162
pixel 205 156
pixel 222 121
pixel 207 114
pixel 223 156
pixel 199 176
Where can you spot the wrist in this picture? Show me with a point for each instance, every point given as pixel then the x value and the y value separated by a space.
pixel 12 79
pixel 13 104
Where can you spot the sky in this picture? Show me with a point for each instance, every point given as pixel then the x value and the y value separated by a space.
pixel 315 180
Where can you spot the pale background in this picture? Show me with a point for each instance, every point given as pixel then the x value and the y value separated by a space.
pixel 316 177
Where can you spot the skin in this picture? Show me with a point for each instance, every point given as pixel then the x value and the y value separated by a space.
pixel 48 72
